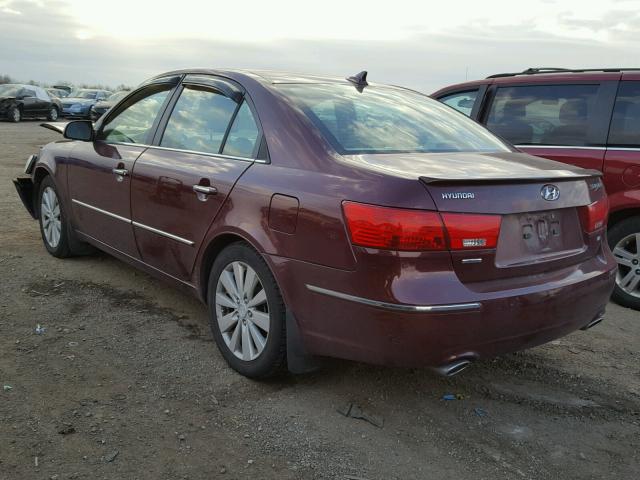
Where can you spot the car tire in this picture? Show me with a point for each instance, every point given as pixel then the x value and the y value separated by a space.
pixel 53 114
pixel 624 240
pixel 247 313
pixel 57 235
pixel 14 114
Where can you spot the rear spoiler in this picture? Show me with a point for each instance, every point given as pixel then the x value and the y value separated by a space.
pixel 56 126
pixel 543 176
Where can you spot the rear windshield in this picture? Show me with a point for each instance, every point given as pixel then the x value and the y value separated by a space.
pixel 388 120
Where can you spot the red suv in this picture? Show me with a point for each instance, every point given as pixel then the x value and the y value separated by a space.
pixel 589 118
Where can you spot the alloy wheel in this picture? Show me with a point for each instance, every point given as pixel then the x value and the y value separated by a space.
pixel 53 114
pixel 50 212
pixel 242 311
pixel 15 115
pixel 627 254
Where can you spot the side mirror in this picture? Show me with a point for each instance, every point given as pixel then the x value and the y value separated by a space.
pixel 79 130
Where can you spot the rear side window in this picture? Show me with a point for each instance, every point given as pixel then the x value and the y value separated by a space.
pixel 543 114
pixel 625 125
pixel 461 101
pixel 198 121
pixel 243 135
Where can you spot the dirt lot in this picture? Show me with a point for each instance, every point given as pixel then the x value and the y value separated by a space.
pixel 126 383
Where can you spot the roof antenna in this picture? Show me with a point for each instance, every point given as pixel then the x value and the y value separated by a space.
pixel 359 80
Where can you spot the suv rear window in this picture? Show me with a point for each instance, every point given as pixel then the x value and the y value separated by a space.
pixel 625 125
pixel 387 120
pixel 543 114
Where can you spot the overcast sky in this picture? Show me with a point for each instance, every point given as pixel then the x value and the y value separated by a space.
pixel 423 45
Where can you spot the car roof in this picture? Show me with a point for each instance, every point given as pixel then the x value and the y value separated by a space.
pixel 545 75
pixel 554 70
pixel 263 76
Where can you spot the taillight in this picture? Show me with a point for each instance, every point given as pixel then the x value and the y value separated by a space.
pixel 467 231
pixel 419 230
pixel 394 228
pixel 594 216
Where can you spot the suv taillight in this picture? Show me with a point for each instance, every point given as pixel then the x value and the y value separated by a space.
pixel 594 216
pixel 419 230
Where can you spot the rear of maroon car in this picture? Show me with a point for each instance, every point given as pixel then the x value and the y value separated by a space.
pixel 505 251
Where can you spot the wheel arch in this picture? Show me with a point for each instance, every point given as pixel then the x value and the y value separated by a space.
pixel 39 174
pixel 211 252
pixel 623 214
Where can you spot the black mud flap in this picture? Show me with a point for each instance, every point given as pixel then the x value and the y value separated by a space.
pixel 298 359
pixel 24 186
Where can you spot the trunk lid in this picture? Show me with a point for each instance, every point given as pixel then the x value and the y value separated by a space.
pixel 538 201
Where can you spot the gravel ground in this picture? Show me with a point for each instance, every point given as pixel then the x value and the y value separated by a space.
pixel 126 383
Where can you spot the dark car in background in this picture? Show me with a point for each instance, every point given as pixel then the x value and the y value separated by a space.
pixel 101 107
pixel 18 101
pixel 589 118
pixel 79 102
pixel 331 217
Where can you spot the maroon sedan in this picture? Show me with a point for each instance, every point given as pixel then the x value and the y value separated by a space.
pixel 327 217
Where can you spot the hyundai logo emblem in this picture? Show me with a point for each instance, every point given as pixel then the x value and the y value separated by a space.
pixel 550 193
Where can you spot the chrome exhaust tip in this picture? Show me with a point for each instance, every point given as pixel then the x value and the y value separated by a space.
pixel 454 367
pixel 594 322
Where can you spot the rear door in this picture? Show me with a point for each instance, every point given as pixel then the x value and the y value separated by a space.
pixel 99 173
pixel 208 138
pixel 566 122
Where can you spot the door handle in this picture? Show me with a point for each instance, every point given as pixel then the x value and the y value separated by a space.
pixel 123 172
pixel 205 190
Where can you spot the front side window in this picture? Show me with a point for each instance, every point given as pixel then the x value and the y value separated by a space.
pixel 625 124
pixel 387 120
pixel 543 114
pixel 199 121
pixel 134 123
pixel 461 101
pixel 243 134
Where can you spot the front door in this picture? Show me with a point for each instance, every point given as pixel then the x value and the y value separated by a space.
pixel 31 105
pixel 179 186
pixel 99 174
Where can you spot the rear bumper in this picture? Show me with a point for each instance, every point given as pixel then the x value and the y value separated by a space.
pixel 476 325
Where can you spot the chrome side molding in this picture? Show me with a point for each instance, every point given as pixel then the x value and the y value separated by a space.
pixel 163 233
pixel 135 224
pixel 401 307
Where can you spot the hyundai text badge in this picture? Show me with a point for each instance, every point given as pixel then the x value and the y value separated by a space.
pixel 458 195
pixel 550 193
